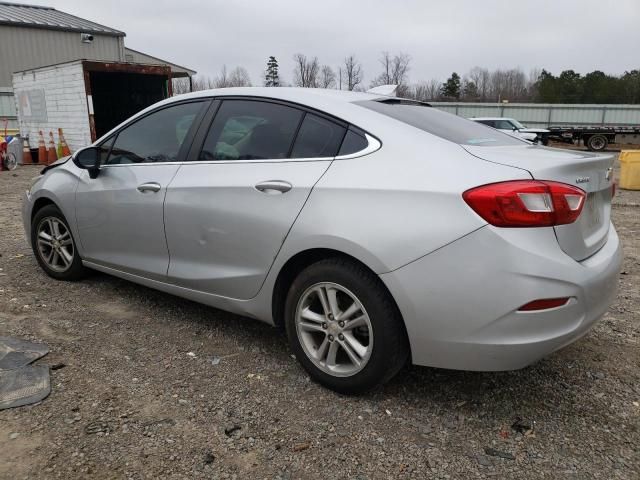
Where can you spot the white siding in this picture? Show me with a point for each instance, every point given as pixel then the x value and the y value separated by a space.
pixel 66 103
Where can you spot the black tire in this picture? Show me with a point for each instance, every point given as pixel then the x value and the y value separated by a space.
pixel 390 347
pixel 597 143
pixel 75 271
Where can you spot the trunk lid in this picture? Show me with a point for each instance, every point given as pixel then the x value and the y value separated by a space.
pixel 591 172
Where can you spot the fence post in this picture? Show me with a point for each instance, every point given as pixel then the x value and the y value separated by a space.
pixel 549 116
pixel 604 114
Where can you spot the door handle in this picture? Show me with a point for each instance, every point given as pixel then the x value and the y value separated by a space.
pixel 272 187
pixel 149 187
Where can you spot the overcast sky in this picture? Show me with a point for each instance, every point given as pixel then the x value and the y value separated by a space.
pixel 440 35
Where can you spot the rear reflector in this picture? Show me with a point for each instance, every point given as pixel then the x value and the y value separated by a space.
pixel 526 203
pixel 544 304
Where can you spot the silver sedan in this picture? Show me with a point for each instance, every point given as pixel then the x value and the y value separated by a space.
pixel 375 230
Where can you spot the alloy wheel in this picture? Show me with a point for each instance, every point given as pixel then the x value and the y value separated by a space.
pixel 55 244
pixel 334 329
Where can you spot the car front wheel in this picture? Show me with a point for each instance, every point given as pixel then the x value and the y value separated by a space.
pixel 54 246
pixel 344 327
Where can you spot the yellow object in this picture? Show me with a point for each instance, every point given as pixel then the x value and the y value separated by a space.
pixel 630 169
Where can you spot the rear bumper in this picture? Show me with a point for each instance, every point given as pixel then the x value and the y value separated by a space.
pixel 460 303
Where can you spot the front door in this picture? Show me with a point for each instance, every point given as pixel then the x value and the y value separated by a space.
pixel 120 213
pixel 229 210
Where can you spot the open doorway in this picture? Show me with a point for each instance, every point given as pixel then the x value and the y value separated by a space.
pixel 118 95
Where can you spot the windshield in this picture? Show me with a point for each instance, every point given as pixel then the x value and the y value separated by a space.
pixel 517 124
pixel 442 124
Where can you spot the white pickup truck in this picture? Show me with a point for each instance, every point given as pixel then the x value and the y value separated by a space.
pixel 514 127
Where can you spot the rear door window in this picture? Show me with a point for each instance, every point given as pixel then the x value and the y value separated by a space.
pixel 317 138
pixel 442 124
pixel 251 130
pixel 353 142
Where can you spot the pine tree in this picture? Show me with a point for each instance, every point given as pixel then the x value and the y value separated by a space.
pixel 271 78
pixel 451 88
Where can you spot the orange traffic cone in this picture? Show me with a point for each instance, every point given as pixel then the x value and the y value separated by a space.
pixel 27 159
pixel 63 148
pixel 52 156
pixel 42 149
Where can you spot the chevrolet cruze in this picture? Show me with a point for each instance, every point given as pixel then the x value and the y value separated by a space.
pixel 375 230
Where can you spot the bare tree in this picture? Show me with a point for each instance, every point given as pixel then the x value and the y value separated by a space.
pixel 426 91
pixel 222 79
pixel 480 77
pixel 508 85
pixel 327 77
pixel 305 72
pixel 180 86
pixel 239 77
pixel 395 71
pixel 352 72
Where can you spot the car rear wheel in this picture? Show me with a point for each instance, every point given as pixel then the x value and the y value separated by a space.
pixel 53 245
pixel 344 327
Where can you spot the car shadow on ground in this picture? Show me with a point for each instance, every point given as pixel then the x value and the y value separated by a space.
pixel 548 384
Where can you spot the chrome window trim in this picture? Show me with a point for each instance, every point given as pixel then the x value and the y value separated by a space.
pixel 373 145
pixel 212 162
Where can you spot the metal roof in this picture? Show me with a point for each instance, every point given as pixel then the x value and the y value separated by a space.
pixel 35 16
pixel 140 57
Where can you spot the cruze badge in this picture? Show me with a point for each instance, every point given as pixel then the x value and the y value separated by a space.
pixel 607 175
pixel 583 180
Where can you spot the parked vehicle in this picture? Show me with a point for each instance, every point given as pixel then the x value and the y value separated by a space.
pixel 596 137
pixel 376 230
pixel 511 125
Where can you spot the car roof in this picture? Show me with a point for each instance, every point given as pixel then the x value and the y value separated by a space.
pixel 305 96
pixel 340 103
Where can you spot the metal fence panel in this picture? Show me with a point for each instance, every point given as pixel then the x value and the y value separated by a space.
pixel 545 114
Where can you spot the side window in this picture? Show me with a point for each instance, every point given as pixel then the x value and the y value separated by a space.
pixel 353 142
pixel 504 125
pixel 156 137
pixel 489 123
pixel 251 130
pixel 317 138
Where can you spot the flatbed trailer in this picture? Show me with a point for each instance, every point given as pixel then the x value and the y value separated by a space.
pixel 596 138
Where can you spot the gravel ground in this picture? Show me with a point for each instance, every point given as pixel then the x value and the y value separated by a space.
pixel 154 386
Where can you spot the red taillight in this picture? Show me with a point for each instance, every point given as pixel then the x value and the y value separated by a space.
pixel 613 189
pixel 526 203
pixel 544 304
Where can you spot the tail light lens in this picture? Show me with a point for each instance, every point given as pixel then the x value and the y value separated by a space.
pixel 526 203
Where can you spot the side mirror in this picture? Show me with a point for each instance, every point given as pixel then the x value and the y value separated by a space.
pixel 89 158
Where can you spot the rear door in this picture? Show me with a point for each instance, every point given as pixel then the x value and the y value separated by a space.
pixel 229 208
pixel 120 213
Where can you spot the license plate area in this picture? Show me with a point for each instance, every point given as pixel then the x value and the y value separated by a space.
pixel 592 212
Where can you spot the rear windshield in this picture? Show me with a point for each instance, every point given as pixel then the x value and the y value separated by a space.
pixel 442 124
